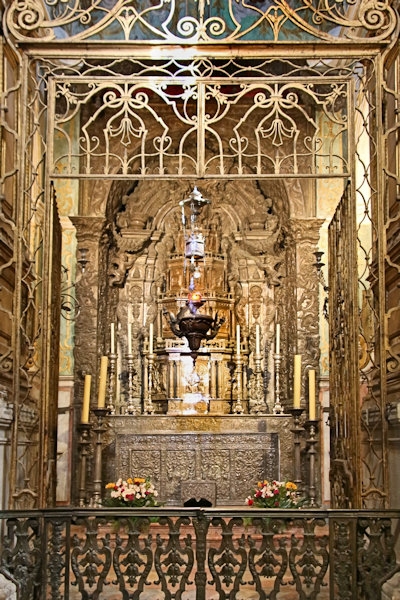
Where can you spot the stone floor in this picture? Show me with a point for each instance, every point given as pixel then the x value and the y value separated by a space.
pixel 112 593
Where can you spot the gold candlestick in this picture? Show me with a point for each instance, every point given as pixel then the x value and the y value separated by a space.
pixel 278 408
pixel 111 384
pixel 131 409
pixel 238 408
pixel 258 404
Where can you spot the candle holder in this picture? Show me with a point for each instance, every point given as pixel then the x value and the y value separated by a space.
pixel 258 405
pixel 278 408
pixel 148 405
pixel 132 408
pixel 111 384
pixel 297 431
pixel 84 448
pixel 238 408
pixel 312 431
pixel 99 429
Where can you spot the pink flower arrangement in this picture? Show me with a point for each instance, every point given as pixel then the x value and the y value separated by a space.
pixel 132 492
pixel 275 494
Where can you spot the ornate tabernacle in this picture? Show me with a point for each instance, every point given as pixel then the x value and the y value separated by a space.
pixel 191 262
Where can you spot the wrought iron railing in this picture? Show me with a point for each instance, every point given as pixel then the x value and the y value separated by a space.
pixel 200 553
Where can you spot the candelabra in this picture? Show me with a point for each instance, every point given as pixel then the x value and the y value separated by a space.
pixel 238 408
pixel 148 405
pixel 84 444
pixel 278 409
pixel 312 430
pixel 99 429
pixel 111 383
pixel 297 431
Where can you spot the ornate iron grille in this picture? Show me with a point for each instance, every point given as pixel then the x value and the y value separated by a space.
pixel 34 310
pixel 388 215
pixel 199 119
pixel 192 128
pixel 361 270
pixel 39 131
pixel 203 21
pixel 103 554
pixel 343 374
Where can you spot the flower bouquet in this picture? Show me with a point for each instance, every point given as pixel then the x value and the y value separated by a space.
pixel 132 492
pixel 275 494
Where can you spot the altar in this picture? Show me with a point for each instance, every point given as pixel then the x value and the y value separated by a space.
pixel 219 458
pixel 205 351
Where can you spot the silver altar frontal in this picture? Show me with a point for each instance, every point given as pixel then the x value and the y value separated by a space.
pixel 215 457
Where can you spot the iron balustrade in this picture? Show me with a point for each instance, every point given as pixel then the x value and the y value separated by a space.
pixel 85 554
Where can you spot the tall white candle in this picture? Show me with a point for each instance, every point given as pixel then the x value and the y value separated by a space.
pixel 101 398
pixel 238 340
pixel 151 334
pixel 129 338
pixel 257 338
pixel 297 381
pixel 277 339
pixel 86 399
pixel 311 395
pixel 112 339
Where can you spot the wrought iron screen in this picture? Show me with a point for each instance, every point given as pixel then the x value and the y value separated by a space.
pixel 199 119
pixel 113 108
pixel 203 21
pixel 344 375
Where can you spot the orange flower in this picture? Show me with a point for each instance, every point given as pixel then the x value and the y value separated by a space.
pixel 291 486
pixel 110 486
pixel 138 480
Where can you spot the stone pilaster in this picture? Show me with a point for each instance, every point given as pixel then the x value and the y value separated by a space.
pixel 89 231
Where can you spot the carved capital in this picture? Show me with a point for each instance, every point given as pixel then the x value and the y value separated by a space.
pixel 306 231
pixel 88 229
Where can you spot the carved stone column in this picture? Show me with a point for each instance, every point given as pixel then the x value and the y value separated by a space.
pixel 88 232
pixel 306 236
pixel 307 290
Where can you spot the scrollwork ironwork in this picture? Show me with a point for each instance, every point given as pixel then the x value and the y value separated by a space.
pixel 91 557
pixel 176 22
pixel 275 553
pixel 376 554
pixel 274 127
pixel 269 559
pixel 309 557
pixel 227 562
pixel 132 557
pixel 174 558
pixel 21 556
